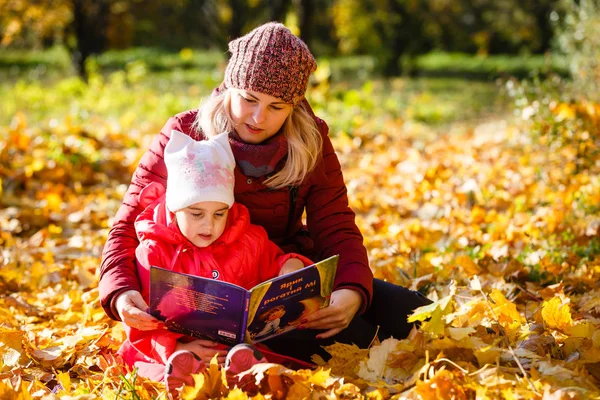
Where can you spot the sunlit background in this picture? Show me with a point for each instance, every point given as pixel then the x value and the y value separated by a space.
pixel 468 132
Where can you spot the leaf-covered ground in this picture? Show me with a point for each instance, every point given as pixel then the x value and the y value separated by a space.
pixel 495 223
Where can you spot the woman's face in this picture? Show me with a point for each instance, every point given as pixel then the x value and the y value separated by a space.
pixel 257 116
pixel 203 223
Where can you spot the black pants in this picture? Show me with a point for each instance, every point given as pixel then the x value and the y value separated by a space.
pixel 389 309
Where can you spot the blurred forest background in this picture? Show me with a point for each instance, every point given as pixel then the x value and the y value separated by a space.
pixel 391 32
pixel 434 47
pixel 468 132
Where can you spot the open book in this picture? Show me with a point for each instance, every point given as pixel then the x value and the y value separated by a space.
pixel 227 313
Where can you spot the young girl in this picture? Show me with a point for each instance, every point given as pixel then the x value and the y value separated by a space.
pixel 196 228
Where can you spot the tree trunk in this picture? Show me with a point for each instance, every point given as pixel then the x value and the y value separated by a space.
pixel 278 9
pixel 397 46
pixel 542 17
pixel 90 21
pixel 307 12
pixel 402 39
pixel 238 18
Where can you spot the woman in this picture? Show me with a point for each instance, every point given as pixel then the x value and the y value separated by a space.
pixel 285 165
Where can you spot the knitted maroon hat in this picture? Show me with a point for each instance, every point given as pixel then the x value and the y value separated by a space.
pixel 270 60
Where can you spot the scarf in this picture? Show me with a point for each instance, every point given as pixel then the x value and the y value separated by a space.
pixel 258 160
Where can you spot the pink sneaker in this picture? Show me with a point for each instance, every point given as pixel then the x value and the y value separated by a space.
pixel 180 367
pixel 239 359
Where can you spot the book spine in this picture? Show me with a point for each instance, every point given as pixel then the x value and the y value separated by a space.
pixel 244 323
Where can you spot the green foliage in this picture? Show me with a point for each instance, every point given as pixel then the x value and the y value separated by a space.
pixel 391 32
pixel 395 31
pixel 565 113
pixel 442 64
pixel 562 118
pixel 435 101
pixel 127 387
pixel 578 39
pixel 137 95
pixel 123 86
pixel 161 60
pixel 355 23
pixel 55 60
pixel 348 68
pixel 130 97
pixel 491 66
pixel 55 57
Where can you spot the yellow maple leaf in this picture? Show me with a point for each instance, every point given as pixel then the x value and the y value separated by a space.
pixel 459 334
pixel 383 365
pixel 378 394
pixel 344 359
pixel 19 393
pixel 11 348
pixel 443 385
pixel 436 323
pixel 582 329
pixel 468 265
pixel 506 312
pixel 424 312
pixel 299 390
pixel 488 355
pixel 556 314
pixel 207 385
pixel 508 394
pixel 239 394
pixel 348 391
pixel 321 377
pixel 196 391
pixel 65 381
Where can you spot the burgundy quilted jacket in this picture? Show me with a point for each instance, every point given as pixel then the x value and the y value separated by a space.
pixel 323 195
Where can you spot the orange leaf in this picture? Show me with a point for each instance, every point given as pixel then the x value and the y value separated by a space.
pixel 442 386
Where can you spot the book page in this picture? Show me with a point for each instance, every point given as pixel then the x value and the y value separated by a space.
pixel 201 307
pixel 278 305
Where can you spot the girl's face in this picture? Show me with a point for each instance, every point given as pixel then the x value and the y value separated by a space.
pixel 257 116
pixel 203 223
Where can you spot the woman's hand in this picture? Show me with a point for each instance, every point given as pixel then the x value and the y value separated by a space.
pixel 344 304
pixel 205 349
pixel 131 308
pixel 292 264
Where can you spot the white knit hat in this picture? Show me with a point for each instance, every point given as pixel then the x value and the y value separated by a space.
pixel 198 170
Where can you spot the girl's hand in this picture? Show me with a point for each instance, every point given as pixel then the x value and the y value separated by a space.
pixel 292 264
pixel 131 308
pixel 205 349
pixel 344 304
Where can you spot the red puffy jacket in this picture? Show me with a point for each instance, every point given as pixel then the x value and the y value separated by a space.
pixel 242 255
pixel 323 196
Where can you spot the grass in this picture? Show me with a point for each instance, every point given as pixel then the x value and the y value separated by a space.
pixel 132 82
pixel 490 67
pixel 342 68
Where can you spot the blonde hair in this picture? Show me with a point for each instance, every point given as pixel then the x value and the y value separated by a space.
pixel 304 140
